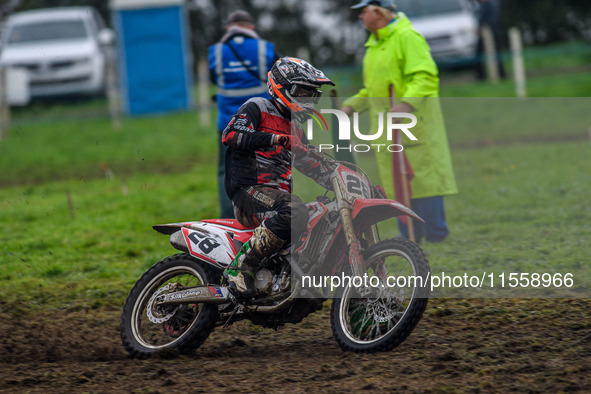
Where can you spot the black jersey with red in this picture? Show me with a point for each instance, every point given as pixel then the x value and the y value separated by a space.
pixel 253 159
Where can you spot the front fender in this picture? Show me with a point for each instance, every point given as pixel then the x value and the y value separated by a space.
pixel 369 211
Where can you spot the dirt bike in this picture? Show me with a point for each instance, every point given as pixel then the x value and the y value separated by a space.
pixel 179 301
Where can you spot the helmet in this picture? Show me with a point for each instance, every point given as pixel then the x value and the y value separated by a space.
pixel 294 83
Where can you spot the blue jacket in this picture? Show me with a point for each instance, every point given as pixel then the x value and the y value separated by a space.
pixel 234 82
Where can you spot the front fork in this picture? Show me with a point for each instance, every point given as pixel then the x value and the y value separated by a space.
pixel 355 258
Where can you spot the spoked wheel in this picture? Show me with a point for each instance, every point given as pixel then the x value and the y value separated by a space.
pixel 147 328
pixel 379 312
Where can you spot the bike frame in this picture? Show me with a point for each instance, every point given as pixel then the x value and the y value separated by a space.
pixel 218 241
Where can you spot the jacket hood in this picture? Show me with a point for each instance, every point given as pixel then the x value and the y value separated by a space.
pixel 234 31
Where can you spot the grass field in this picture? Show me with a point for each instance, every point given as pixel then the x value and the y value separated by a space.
pixel 78 198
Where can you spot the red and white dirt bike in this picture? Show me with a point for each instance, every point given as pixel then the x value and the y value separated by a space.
pixel 181 299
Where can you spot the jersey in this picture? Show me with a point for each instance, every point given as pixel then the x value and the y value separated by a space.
pixel 253 158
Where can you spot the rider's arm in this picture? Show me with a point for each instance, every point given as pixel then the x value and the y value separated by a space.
pixel 308 165
pixel 241 132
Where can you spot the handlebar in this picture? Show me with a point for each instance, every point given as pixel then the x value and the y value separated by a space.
pixel 333 163
pixel 323 157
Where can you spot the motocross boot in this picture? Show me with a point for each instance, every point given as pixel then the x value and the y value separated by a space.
pixel 240 272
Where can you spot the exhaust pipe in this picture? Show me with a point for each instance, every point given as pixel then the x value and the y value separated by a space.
pixel 195 295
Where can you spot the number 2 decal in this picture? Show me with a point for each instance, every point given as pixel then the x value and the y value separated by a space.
pixel 204 243
pixel 355 186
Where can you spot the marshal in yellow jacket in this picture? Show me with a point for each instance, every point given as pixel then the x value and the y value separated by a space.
pixel 398 55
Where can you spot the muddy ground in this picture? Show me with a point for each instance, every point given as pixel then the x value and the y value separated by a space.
pixel 460 346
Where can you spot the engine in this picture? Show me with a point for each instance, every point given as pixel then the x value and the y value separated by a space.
pixel 274 276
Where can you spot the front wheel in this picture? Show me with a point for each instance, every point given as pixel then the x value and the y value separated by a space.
pixel 147 328
pixel 379 312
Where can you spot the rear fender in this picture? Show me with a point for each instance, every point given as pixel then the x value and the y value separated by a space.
pixel 209 242
pixel 169 228
pixel 367 212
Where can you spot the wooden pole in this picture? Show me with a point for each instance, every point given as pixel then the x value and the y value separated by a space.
pixel 491 54
pixel 203 89
pixel 4 105
pixel 113 93
pixel 399 157
pixel 518 64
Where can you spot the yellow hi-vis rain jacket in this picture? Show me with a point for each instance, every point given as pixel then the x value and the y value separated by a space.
pixel 401 56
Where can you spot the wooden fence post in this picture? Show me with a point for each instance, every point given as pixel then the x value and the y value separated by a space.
pixel 491 54
pixel 203 89
pixel 113 93
pixel 518 64
pixel 4 105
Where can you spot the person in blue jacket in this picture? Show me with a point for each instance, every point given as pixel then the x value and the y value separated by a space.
pixel 238 66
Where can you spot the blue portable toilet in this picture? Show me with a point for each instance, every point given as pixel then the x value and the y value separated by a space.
pixel 154 55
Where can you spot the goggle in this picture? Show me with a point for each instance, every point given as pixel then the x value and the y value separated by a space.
pixel 305 94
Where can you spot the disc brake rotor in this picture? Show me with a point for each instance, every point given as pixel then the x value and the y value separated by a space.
pixel 158 314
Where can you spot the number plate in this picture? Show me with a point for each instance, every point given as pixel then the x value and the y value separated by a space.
pixel 355 185
pixel 212 247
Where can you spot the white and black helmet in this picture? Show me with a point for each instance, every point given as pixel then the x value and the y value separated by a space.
pixel 295 84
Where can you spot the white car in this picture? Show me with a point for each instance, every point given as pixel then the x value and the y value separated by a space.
pixel 449 26
pixel 62 49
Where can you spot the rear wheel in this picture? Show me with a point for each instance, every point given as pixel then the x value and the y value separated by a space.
pixel 380 312
pixel 147 328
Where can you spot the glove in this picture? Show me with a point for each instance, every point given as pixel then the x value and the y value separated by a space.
pixel 290 142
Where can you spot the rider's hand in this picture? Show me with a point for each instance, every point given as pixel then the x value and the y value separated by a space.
pixel 290 142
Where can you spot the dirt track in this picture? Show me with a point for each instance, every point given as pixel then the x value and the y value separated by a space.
pixel 459 346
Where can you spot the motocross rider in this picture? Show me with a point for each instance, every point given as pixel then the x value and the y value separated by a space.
pixel 263 140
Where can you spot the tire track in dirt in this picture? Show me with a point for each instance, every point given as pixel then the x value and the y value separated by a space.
pixel 471 345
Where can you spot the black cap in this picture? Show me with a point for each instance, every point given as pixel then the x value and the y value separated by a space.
pixel 240 16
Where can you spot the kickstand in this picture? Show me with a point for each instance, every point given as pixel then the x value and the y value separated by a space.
pixel 229 321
